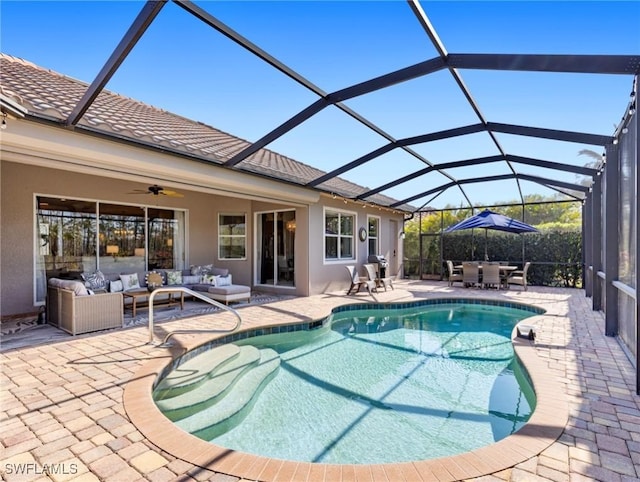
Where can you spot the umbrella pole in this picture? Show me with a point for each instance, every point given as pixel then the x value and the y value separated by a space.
pixel 486 255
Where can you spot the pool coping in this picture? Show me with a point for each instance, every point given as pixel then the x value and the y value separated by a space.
pixel 544 427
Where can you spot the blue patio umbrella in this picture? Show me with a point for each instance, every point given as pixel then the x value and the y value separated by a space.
pixel 489 220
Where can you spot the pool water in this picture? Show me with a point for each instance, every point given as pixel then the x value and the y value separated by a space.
pixel 412 384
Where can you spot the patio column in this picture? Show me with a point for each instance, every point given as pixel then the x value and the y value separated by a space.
pixel 596 241
pixel 587 258
pixel 611 238
pixel 637 236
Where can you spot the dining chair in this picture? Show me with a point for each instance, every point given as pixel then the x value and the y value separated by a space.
pixel 491 275
pixel 519 277
pixel 454 274
pixel 470 274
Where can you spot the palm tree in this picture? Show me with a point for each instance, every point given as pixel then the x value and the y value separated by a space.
pixel 598 161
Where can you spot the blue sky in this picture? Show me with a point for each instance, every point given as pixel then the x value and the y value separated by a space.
pixel 183 66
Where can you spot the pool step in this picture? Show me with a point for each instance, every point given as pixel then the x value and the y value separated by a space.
pixel 213 388
pixel 231 409
pixel 194 371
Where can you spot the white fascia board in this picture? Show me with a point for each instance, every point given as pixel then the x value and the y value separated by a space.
pixel 58 148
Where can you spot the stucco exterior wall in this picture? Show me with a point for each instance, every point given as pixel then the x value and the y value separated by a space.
pixel 330 276
pixel 21 182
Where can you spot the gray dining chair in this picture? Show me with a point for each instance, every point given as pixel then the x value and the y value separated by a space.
pixel 470 274
pixel 454 274
pixel 519 277
pixel 491 275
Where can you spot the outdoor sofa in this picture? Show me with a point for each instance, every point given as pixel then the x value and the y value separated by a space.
pixel 96 303
pixel 216 283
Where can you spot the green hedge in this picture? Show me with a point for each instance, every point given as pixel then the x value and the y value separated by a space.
pixel 555 255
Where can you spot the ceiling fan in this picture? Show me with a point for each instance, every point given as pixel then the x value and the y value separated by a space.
pixel 157 191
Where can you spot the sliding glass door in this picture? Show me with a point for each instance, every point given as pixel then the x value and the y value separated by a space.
pixel 80 236
pixel 276 233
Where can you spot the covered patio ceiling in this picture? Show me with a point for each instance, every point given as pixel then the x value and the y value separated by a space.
pixel 410 172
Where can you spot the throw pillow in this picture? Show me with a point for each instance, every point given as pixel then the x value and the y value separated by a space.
pixel 196 270
pixel 190 280
pixel 174 278
pixel 207 268
pixel 208 279
pixel 219 271
pixel 154 278
pixel 223 280
pixel 130 281
pixel 115 286
pixel 95 281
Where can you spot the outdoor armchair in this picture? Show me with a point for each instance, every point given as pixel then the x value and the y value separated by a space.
pixel 70 309
pixel 519 277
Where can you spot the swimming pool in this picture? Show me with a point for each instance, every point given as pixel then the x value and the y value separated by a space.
pixel 370 385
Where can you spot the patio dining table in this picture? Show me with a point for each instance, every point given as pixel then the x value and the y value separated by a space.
pixel 503 268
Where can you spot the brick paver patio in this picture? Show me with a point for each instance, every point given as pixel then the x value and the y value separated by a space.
pixel 62 414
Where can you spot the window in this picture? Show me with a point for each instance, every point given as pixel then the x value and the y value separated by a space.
pixel 166 238
pixel 122 233
pixel 75 236
pixel 373 232
pixel 232 236
pixel 339 235
pixel 66 240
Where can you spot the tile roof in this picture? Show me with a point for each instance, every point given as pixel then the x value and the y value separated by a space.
pixel 50 95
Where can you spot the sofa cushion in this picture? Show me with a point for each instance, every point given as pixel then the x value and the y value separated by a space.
pixel 77 287
pixel 95 281
pixel 115 286
pixel 190 279
pixel 223 281
pixel 200 287
pixel 208 279
pixel 208 269
pixel 228 290
pixel 154 278
pixel 174 278
pixel 130 281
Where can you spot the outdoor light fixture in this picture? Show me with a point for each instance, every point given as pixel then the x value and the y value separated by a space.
pixel 402 235
pixel 113 250
pixel 3 126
